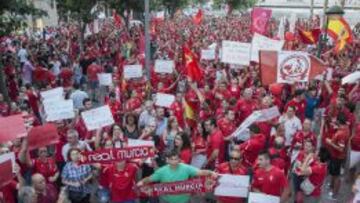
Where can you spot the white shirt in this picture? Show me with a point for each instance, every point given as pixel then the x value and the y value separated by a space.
pixel 82 145
pixel 22 54
pixel 144 118
pixel 78 97
pixel 292 125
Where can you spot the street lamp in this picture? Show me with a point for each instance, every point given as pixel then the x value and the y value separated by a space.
pixel 334 12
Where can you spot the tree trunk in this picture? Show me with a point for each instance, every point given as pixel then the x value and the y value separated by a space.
pixel 311 9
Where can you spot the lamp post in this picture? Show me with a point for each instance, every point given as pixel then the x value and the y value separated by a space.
pixel 147 39
pixel 333 12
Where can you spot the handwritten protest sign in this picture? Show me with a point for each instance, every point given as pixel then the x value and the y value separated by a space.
pixel 208 54
pixel 133 71
pixel 351 78
pixel 232 186
pixel 164 100
pixel 58 109
pixel 164 66
pixel 97 118
pixel 41 136
pixel 105 79
pixel 235 52
pixel 260 42
pixel 12 127
pixel 262 198
pixel 137 143
pixel 56 93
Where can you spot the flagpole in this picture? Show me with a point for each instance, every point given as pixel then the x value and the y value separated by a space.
pixel 323 38
pixel 147 40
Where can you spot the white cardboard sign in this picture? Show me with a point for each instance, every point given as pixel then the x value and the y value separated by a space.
pixel 260 42
pixel 262 198
pixel 8 156
pixel 133 71
pixel 137 143
pixel 97 118
pixel 351 78
pixel 58 109
pixel 164 100
pixel 57 93
pixel 105 79
pixel 164 66
pixel 208 54
pixel 233 186
pixel 235 52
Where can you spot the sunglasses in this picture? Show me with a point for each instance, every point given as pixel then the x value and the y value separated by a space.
pixel 235 158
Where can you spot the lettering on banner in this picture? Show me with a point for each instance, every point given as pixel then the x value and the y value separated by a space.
pixel 235 53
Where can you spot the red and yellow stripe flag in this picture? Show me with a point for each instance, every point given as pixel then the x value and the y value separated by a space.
pixel 309 37
pixel 340 31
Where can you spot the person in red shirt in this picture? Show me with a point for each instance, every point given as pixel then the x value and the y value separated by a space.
pixel 305 134
pixel 45 192
pixel 33 100
pixel 221 93
pixel 216 146
pixel 299 103
pixel 338 148
pixel 115 107
pixel 269 179
pixel 251 148
pixel 92 72
pixel 183 145
pixel 233 167
pixel 177 110
pixel 310 169
pixel 121 178
pixel 279 156
pixel 246 105
pixel 66 77
pixel 227 124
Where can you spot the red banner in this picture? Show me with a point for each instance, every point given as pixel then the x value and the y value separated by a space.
pixel 42 136
pixel 259 20
pixel 107 156
pixel 11 127
pixel 6 173
pixel 198 185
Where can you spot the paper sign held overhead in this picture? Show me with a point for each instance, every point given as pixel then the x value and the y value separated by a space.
pixel 58 109
pixel 208 54
pixel 41 136
pixel 133 71
pixel 97 118
pixel 53 93
pixel 105 79
pixel 164 66
pixel 235 53
pixel 262 198
pixel 260 42
pixel 164 100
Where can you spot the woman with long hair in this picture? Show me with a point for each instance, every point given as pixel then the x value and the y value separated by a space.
pixel 169 134
pixel 131 126
pixel 182 144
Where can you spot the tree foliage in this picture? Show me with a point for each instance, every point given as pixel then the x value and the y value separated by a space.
pixel 235 4
pixel 172 5
pixel 13 15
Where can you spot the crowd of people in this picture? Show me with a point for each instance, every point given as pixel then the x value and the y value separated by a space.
pixel 289 156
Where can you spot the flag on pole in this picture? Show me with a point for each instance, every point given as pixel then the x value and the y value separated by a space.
pixel 197 19
pixel 339 30
pixel 192 69
pixel 281 30
pixel 309 37
pixel 288 67
pixel 259 20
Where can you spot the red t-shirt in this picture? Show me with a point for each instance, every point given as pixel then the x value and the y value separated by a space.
pixel 245 108
pixel 279 158
pixel 66 75
pixel 340 138
pixel 235 91
pixel 300 137
pixel 216 141
pixel 227 127
pixel 92 72
pixel 122 183
pixel 271 182
pixel 317 177
pixel 225 168
pixel 178 111
pixel 4 109
pixel 47 168
pixel 33 101
pixel 8 192
pixel 251 148
pixel 186 155
pixel 355 141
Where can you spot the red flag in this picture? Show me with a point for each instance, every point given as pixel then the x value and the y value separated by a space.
pixel 117 19
pixel 288 67
pixel 12 127
pixel 259 20
pixel 197 19
pixel 192 69
pixel 309 37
